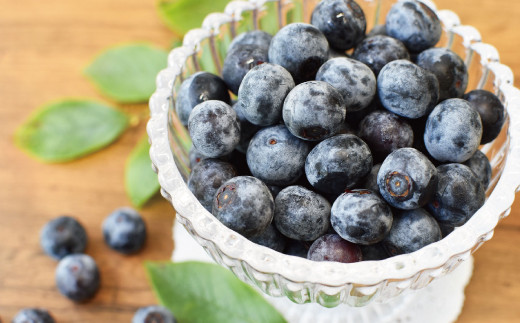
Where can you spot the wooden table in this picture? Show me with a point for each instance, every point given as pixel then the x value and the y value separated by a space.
pixel 43 48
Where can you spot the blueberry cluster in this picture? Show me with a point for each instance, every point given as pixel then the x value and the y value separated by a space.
pixel 340 146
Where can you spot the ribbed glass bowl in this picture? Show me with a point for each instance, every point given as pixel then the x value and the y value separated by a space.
pixel 301 280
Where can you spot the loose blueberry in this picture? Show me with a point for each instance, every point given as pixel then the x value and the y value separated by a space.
pixel 314 111
pixel 338 163
pixel 214 129
pixel 301 49
pixel 199 87
pixel 124 231
pixel 407 179
pixel 262 93
pixel 77 277
pixel 239 61
pixel 453 131
pixel 491 112
pixel 374 252
pixel 341 21
pixel 354 80
pixel 407 89
pixel 270 238
pixel 256 37
pixel 33 315
pixel 331 247
pixel 379 50
pixel 247 129
pixel 415 24
pixel 63 236
pixel 479 164
pixel 411 230
pixel 153 314
pixel 245 205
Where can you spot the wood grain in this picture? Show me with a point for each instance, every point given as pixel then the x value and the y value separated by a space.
pixel 44 47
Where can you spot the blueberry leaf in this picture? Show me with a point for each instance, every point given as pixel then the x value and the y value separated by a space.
pixel 207 293
pixel 127 73
pixel 70 129
pixel 140 180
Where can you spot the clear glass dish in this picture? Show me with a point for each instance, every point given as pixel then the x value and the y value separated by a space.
pixel 301 280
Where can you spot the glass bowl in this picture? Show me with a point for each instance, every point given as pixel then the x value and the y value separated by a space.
pixel 327 283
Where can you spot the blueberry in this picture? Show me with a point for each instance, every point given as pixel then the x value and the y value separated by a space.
pixel 407 89
pixel 77 277
pixel 199 87
pixel 153 314
pixel 361 217
pixel 262 93
pixel 449 68
pixel 214 129
pixel 33 315
pixel 247 129
pixel 453 131
pixel 301 49
pixel 338 163
pixel 206 178
pixel 411 230
pixel 374 252
pixel 385 132
pixel 256 37
pixel 270 238
pixel 301 214
pixel 353 79
pixel 124 230
pixel 314 111
pixel 341 21
pixel 296 248
pixel 277 157
pixel 331 247
pixel 415 24
pixel 195 156
pixel 407 179
pixel 459 194
pixel 353 119
pixel 370 180
pixel 245 205
pixel 491 112
pixel 239 61
pixel 63 236
pixel 479 164
pixel 379 50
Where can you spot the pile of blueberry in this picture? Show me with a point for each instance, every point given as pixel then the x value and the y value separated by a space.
pixel 342 146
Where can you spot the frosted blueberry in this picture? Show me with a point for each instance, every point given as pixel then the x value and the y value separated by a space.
pixel 379 50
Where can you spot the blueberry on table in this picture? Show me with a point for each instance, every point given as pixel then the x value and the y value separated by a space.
pixel 256 37
pixel 270 238
pixel 247 129
pixel 361 217
pixel 33 315
pixel 379 50
pixel 341 21
pixel 206 178
pixel 199 87
pixel 407 90
pixel 239 61
pixel 479 164
pixel 411 231
pixel 453 131
pixel 77 277
pixel 338 163
pixel 301 49
pixel 491 112
pixel 374 252
pixel 262 93
pixel 353 79
pixel 63 236
pixel 415 24
pixel 331 247
pixel 124 230
pixel 314 111
pixel 245 205
pixel 214 129
pixel 458 196
pixel 153 314
pixel 407 179
pixel 301 214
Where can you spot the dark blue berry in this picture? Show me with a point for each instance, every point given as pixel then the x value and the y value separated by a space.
pixel 491 112
pixel 270 238
pixel 245 205
pixel 379 50
pixel 479 164
pixel 77 277
pixel 153 314
pixel 301 49
pixel 199 87
pixel 256 37
pixel 124 231
pixel 247 129
pixel 63 236
pixel 374 252
pixel 33 315
pixel 331 247
pixel 239 61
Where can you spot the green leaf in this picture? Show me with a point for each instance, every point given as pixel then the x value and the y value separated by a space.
pixel 127 73
pixel 182 15
pixel 207 293
pixel 140 180
pixel 69 129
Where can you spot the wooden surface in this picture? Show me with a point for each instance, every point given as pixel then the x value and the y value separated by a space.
pixel 43 48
